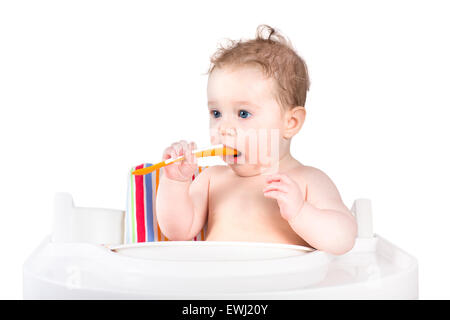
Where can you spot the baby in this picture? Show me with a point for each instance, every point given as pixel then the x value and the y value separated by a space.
pixel 256 97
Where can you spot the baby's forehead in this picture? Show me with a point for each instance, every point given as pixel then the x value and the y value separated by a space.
pixel 240 84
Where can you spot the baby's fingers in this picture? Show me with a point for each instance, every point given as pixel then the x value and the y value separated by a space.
pixel 166 153
pixel 277 195
pixel 276 186
pixel 169 152
pixel 193 147
pixel 178 147
pixel 278 177
pixel 174 154
pixel 187 152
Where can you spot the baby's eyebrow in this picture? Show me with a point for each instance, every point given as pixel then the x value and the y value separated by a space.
pixel 212 104
pixel 248 103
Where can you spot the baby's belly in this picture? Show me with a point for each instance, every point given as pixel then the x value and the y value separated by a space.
pixel 251 227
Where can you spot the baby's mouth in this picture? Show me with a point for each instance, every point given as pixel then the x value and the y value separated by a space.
pixel 238 153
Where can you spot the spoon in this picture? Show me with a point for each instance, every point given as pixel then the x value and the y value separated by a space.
pixel 219 150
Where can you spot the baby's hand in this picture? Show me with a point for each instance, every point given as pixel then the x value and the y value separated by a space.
pixel 287 193
pixel 181 170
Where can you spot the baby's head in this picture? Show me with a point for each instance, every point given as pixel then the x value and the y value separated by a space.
pixel 256 98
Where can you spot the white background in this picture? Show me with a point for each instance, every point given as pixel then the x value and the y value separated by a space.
pixel 90 88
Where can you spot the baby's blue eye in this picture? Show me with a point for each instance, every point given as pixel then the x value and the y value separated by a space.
pixel 244 114
pixel 215 113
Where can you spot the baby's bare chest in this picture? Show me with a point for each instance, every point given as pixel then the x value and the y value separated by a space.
pixel 239 211
pixel 241 198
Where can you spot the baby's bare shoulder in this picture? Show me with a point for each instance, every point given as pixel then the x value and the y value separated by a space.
pixel 309 173
pixel 305 174
pixel 321 189
pixel 315 180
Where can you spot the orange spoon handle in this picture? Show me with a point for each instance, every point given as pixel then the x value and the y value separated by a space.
pixel 198 154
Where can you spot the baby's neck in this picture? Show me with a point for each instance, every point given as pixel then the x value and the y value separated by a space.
pixel 287 163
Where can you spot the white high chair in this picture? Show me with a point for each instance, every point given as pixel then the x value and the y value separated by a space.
pixel 88 257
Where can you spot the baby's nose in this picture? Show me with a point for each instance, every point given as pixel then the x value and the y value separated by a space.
pixel 227 131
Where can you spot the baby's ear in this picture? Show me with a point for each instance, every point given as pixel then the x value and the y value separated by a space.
pixel 294 119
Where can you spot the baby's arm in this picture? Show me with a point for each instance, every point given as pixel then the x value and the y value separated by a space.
pixel 320 217
pixel 182 204
pixel 324 221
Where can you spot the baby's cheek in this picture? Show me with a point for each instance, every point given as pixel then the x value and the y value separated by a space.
pixel 214 136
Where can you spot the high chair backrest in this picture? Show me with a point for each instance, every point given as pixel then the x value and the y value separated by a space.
pixel 141 224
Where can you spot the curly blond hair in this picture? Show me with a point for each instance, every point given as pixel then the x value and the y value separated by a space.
pixel 276 57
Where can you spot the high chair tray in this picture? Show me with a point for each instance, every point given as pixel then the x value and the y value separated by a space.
pixel 373 269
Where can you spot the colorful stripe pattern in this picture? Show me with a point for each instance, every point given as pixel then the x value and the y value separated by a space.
pixel 141 224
